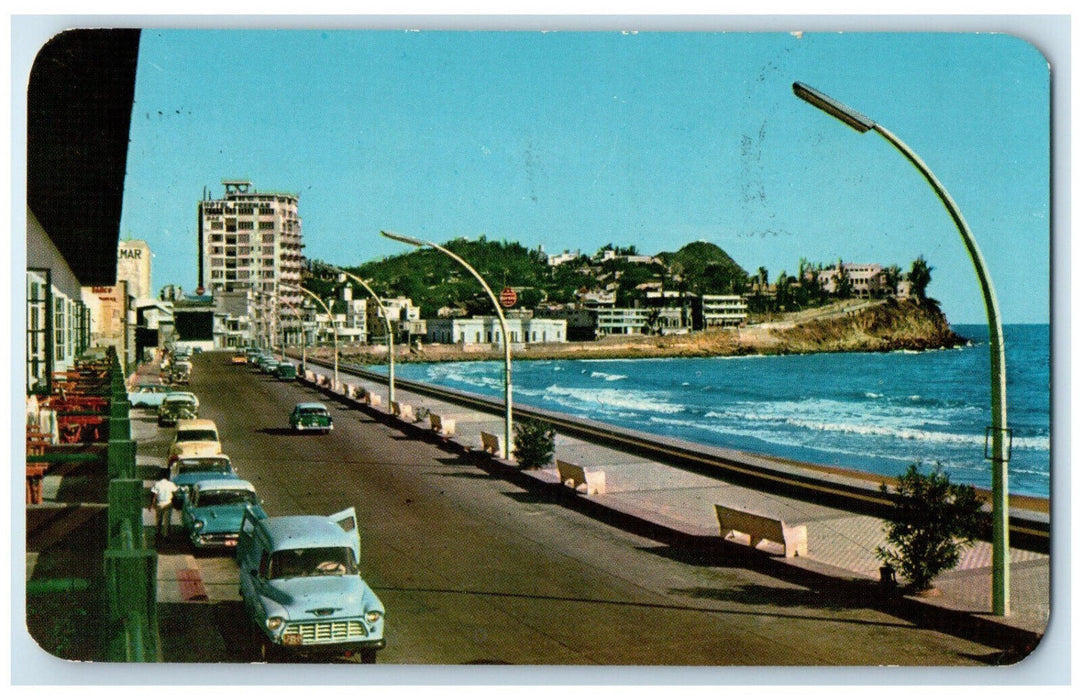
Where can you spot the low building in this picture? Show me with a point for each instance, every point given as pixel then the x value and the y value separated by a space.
pixel 719 311
pixel 865 279
pixel 623 321
pixel 485 330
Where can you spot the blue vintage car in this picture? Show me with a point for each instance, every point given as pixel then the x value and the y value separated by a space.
pixel 188 471
pixel 302 588
pixel 214 509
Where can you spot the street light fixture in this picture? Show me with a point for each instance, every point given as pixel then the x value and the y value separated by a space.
pixel 334 325
pixel 300 322
pixel 998 432
pixel 387 324
pixel 503 327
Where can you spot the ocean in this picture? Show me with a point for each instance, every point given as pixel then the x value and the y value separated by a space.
pixel 875 412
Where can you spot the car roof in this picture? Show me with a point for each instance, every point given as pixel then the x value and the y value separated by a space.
pixel 199 458
pixel 227 484
pixel 311 404
pixel 301 531
pixel 175 395
pixel 196 424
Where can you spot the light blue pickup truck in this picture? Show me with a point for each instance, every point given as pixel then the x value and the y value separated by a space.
pixel 302 588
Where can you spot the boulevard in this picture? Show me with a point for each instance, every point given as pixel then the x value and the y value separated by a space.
pixel 476 570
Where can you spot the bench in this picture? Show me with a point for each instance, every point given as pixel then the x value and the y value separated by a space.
pixel 490 443
pixel 759 528
pixel 372 399
pixel 574 476
pixel 402 410
pixel 444 427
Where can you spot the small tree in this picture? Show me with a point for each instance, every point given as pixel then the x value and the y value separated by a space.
pixel 535 443
pixel 933 522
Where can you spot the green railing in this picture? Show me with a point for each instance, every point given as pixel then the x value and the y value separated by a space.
pixel 130 567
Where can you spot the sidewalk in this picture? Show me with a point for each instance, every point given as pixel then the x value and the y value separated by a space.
pixel 680 503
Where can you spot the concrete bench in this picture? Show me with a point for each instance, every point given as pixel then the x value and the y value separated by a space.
pixel 444 427
pixel 793 538
pixel 372 399
pixel 574 476
pixel 490 443
pixel 403 411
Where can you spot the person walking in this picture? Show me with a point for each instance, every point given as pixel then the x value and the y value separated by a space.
pixel 162 502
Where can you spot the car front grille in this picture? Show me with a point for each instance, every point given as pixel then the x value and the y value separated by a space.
pixel 328 632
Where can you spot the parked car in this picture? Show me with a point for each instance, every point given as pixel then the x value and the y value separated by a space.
pixel 213 510
pixel 148 395
pixel 311 416
pixel 267 364
pixel 188 470
pixel 177 406
pixel 239 358
pixel 195 438
pixel 285 370
pixel 181 372
pixel 301 586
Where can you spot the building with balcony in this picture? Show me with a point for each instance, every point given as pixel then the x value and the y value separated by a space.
pixel 251 240
pixel 864 278
pixel 719 311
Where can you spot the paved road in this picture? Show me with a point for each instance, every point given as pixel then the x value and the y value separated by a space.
pixel 473 569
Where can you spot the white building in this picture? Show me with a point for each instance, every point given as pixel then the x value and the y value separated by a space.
pixel 864 278
pixel 133 265
pixel 485 330
pixel 623 321
pixel 723 311
pixel 250 240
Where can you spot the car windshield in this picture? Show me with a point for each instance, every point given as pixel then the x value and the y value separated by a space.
pixel 314 561
pixel 197 435
pixel 312 411
pixel 224 498
pixel 187 466
pixel 178 403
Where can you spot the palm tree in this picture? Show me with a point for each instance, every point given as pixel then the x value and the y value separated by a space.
pixel 920 276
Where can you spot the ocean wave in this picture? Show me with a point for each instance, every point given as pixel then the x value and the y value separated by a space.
pixel 608 377
pixel 609 401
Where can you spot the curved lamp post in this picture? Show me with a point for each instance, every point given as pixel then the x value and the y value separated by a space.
pixel 999 433
pixel 300 320
pixel 387 324
pixel 330 315
pixel 503 327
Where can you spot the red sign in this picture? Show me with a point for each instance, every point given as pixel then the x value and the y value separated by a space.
pixel 508 298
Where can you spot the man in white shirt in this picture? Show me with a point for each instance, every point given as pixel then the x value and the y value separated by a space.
pixel 162 501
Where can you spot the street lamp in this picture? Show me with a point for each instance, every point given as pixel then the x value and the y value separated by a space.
pixel 300 322
pixel 998 432
pixel 330 315
pixel 387 324
pixel 503 327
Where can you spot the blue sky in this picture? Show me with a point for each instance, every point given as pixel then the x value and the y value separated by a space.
pixel 572 140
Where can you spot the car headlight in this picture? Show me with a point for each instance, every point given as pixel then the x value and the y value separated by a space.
pixel 274 623
pixel 373 616
pixel 198 525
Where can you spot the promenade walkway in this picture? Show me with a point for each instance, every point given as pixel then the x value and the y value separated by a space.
pixel 679 503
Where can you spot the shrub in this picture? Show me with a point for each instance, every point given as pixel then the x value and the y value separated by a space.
pixel 932 523
pixel 535 442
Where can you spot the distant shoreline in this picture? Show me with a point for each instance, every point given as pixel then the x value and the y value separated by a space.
pixel 850 326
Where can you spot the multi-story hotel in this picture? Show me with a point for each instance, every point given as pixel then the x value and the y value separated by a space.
pixel 251 241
